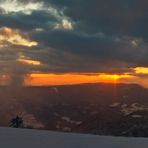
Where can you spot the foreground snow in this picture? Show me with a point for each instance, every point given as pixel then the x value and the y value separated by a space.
pixel 21 138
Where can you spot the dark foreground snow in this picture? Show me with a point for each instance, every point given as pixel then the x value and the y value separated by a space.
pixel 21 138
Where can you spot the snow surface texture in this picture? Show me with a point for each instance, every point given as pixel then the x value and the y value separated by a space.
pixel 22 138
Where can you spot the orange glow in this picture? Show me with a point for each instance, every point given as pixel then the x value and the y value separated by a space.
pixel 111 78
pixel 141 70
pixel 55 79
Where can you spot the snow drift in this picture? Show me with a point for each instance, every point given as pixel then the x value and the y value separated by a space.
pixel 23 138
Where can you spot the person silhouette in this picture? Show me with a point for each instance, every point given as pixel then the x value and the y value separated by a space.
pixel 16 122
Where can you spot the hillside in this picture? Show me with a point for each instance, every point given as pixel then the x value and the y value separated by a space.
pixel 104 109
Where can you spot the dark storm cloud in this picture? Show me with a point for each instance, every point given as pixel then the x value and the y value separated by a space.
pixel 38 19
pixel 106 35
pixel 114 18
pixel 108 16
pixel 98 46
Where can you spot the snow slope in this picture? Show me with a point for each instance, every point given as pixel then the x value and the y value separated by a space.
pixel 22 138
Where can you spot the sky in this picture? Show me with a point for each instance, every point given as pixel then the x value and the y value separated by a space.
pixel 56 42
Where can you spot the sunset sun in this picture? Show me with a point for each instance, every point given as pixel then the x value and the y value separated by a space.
pixel 115 78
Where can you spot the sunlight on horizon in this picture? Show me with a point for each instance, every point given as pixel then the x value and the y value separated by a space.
pixel 141 70
pixel 63 79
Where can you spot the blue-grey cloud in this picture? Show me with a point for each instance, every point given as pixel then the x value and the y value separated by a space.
pixel 100 35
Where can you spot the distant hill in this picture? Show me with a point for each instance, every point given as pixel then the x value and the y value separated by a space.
pixel 100 108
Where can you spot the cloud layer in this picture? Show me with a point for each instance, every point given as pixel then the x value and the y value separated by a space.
pixel 94 36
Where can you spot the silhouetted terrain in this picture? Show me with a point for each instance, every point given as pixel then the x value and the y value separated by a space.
pixel 107 109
